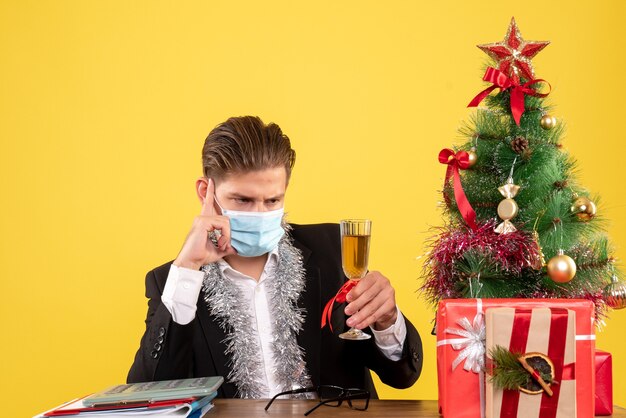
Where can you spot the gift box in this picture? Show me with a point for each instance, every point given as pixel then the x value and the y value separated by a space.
pixel 604 383
pixel 460 353
pixel 545 335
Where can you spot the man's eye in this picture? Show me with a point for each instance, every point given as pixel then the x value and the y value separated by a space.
pixel 242 200
pixel 273 202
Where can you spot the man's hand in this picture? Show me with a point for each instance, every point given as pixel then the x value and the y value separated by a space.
pixel 198 248
pixel 372 302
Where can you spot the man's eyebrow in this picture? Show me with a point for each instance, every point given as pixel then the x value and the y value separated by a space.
pixel 236 195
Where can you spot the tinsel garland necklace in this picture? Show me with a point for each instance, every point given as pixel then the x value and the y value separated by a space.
pixel 284 287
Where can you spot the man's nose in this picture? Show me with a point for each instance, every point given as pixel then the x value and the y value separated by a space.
pixel 260 207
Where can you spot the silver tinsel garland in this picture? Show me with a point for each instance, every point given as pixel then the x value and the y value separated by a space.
pixel 284 287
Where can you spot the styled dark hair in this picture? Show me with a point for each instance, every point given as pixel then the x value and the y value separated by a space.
pixel 243 144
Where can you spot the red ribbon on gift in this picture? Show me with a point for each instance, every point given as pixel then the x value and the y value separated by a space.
pixel 456 161
pixel 503 82
pixel 340 297
pixel 556 353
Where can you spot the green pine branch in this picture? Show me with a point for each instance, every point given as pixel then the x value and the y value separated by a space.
pixel 508 373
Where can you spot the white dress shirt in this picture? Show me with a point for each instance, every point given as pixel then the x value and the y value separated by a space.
pixel 183 287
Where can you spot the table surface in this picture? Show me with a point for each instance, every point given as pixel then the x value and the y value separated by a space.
pixel 226 408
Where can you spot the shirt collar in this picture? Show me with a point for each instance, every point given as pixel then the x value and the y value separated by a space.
pixel 270 264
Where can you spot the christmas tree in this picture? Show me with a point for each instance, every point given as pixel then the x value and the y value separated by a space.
pixel 519 224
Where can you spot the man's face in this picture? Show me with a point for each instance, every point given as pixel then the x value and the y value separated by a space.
pixel 254 191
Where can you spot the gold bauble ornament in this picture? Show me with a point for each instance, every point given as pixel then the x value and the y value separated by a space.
pixel 615 293
pixel 561 268
pixel 547 122
pixel 584 209
pixel 472 157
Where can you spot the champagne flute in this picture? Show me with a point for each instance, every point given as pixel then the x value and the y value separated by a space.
pixel 355 248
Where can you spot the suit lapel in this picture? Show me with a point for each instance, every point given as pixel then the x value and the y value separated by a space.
pixel 310 336
pixel 214 337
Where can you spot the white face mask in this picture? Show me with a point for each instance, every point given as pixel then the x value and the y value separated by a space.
pixel 254 233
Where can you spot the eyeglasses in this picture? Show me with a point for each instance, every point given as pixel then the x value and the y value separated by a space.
pixel 334 396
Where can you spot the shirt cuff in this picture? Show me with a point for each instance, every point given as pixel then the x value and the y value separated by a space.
pixel 390 341
pixel 181 292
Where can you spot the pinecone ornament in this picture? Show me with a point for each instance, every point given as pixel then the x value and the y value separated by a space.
pixel 520 146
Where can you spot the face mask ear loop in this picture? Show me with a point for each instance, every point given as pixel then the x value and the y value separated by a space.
pixel 215 198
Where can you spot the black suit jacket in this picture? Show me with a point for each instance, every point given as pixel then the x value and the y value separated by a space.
pixel 172 351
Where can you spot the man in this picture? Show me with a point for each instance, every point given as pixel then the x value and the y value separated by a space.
pixel 243 298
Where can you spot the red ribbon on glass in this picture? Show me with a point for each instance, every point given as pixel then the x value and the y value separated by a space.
pixel 340 297
pixel 504 82
pixel 556 353
pixel 456 161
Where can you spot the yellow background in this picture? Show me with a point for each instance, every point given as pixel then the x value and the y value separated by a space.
pixel 104 107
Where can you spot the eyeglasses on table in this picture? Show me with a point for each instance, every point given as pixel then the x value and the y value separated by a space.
pixel 334 396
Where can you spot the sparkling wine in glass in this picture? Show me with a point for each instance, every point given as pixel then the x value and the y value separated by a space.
pixel 355 248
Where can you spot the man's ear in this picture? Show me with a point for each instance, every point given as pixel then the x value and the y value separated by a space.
pixel 201 185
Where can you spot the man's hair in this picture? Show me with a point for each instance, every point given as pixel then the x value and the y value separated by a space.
pixel 243 144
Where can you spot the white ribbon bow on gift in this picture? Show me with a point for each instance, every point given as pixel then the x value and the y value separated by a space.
pixel 472 344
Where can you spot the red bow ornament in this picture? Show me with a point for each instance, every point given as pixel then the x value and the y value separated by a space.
pixel 518 91
pixel 340 297
pixel 456 161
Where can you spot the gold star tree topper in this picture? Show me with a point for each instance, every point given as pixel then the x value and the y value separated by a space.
pixel 513 54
